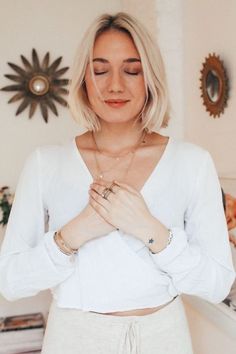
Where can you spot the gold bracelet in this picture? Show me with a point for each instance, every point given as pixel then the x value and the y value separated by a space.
pixel 151 240
pixel 65 244
pixel 62 245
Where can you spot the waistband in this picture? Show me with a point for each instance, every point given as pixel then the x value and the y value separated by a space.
pixel 129 326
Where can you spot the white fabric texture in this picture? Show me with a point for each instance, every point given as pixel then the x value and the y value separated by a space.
pixel 117 272
pixel 162 332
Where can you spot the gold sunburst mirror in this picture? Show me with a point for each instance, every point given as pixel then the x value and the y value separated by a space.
pixel 38 84
pixel 214 85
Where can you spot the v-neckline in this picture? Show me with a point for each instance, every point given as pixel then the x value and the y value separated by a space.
pixel 156 169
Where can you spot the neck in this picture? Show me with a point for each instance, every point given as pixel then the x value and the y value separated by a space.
pixel 118 138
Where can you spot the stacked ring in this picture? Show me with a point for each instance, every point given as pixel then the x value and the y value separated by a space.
pixel 112 185
pixel 106 192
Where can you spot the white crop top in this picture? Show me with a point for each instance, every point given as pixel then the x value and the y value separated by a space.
pixel 117 272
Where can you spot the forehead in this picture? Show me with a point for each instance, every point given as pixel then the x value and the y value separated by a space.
pixel 114 44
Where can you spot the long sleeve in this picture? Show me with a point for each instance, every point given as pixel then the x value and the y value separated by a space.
pixel 30 260
pixel 198 260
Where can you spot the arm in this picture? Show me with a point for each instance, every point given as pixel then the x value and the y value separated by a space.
pixel 30 261
pixel 198 259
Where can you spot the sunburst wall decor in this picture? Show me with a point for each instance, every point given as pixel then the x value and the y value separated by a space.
pixel 38 84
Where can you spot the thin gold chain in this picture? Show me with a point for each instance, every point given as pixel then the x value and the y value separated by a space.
pixel 100 171
pixel 133 151
pixel 117 157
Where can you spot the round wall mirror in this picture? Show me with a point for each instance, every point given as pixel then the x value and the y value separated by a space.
pixel 39 85
pixel 214 85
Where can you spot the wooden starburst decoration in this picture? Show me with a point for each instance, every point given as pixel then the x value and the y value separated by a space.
pixel 214 85
pixel 38 84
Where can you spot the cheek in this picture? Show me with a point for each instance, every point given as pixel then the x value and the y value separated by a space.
pixel 137 87
pixel 91 91
pixel 94 92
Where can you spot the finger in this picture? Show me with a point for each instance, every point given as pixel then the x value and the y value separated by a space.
pixel 114 187
pixel 99 208
pixel 97 198
pixel 99 188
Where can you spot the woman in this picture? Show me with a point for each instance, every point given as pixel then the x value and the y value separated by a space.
pixel 135 218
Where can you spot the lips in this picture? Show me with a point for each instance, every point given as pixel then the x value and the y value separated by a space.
pixel 116 103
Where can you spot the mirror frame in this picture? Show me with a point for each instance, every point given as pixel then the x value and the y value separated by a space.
pixel 214 63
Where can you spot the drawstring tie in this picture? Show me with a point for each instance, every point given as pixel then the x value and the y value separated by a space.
pixel 130 342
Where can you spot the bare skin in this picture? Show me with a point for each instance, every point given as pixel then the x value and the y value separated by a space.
pixel 118 75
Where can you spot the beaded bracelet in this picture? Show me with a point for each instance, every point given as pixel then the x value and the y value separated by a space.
pixel 170 236
pixel 62 245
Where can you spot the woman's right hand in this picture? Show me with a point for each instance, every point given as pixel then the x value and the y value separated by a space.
pixel 86 226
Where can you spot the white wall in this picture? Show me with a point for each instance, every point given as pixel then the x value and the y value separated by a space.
pixel 170 37
pixel 145 11
pixel 209 26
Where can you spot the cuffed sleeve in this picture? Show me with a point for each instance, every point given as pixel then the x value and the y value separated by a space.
pixel 58 257
pixel 198 260
pixel 30 261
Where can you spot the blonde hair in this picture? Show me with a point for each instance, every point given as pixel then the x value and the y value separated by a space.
pixel 155 113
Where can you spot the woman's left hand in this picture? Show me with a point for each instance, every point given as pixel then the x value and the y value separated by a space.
pixel 123 207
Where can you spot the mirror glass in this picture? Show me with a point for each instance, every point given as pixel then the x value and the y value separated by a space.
pixel 213 86
pixel 39 85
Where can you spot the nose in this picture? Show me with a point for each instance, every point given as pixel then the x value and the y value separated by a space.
pixel 116 83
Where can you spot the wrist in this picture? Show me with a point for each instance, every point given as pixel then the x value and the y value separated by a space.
pixel 63 246
pixel 72 235
pixel 157 236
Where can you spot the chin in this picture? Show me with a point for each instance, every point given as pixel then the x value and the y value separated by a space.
pixel 117 120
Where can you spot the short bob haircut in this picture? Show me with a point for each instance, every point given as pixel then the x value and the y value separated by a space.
pixel 154 114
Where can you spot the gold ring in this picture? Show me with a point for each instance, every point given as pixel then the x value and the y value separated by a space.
pixel 105 193
pixel 112 185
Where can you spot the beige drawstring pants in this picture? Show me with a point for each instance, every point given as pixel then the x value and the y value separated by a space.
pixel 72 331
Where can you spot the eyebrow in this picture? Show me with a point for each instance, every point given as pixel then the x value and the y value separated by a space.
pixel 105 61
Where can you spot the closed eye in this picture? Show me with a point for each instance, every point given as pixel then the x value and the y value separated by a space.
pixel 100 73
pixel 132 73
pixel 127 72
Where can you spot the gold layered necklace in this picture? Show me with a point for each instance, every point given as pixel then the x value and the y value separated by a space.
pixel 118 158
